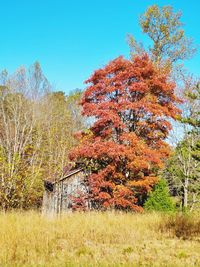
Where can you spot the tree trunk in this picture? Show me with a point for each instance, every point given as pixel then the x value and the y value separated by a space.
pixel 185 194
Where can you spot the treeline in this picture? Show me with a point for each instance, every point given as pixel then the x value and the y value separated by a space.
pixel 182 170
pixel 36 133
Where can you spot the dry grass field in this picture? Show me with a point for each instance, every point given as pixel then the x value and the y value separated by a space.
pixel 97 239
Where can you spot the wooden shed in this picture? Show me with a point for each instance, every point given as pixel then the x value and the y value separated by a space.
pixel 58 194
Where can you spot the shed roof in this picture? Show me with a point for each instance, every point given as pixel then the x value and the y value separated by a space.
pixel 49 184
pixel 68 174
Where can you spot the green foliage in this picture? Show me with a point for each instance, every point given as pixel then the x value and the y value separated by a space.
pixel 159 199
pixel 193 119
pixel 182 173
pixel 183 168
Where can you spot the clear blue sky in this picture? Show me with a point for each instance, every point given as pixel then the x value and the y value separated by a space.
pixel 71 38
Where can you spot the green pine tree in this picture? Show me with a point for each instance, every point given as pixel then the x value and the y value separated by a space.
pixel 159 199
pixel 194 118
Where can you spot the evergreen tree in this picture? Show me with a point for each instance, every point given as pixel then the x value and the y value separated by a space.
pixel 194 118
pixel 159 199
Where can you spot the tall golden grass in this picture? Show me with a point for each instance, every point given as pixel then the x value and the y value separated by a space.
pixel 92 239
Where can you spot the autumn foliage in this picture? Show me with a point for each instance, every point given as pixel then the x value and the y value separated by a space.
pixel 130 102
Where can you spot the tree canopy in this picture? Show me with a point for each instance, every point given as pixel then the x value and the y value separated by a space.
pixel 130 101
pixel 165 29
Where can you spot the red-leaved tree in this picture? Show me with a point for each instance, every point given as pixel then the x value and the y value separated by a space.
pixel 130 102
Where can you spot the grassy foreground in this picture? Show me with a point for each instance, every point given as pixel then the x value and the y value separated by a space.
pixel 92 239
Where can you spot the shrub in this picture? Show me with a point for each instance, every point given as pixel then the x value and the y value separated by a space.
pixel 182 226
